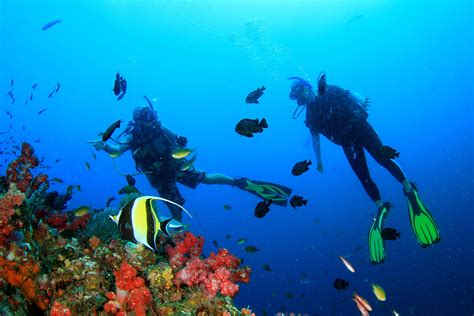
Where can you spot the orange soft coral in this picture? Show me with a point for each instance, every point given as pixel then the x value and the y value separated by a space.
pixel 21 276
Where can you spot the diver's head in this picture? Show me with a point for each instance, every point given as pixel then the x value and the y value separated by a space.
pixel 301 91
pixel 145 116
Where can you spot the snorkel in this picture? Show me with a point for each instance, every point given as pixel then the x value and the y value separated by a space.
pixel 299 89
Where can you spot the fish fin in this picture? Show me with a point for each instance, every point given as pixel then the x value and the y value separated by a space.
pixel 262 88
pixel 164 226
pixel 304 202
pixel 171 202
pixel 263 123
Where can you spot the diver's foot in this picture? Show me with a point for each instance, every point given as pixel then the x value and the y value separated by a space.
pixel 240 183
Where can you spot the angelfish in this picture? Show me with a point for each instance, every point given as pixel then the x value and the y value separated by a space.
pixel 137 221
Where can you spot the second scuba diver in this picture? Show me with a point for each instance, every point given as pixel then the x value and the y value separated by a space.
pixel 152 146
pixel 341 116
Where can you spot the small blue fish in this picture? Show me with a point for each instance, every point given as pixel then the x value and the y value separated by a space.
pixel 50 24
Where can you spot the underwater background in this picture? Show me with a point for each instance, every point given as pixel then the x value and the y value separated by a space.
pixel 198 60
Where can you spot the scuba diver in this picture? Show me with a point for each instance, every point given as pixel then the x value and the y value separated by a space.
pixel 341 116
pixel 152 145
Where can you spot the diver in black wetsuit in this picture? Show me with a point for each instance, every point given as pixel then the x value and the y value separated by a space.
pixel 341 116
pixel 152 144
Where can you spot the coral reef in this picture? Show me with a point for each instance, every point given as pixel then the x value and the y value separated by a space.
pixel 55 263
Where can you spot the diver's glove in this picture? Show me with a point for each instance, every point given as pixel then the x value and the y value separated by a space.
pixel 182 141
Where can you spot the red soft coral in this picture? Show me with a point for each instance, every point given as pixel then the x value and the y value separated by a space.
pixel 126 278
pixel 8 202
pixel 59 309
pixel 187 247
pixel 131 291
pixel 217 273
pixel 18 171
pixel 139 300
pixel 57 220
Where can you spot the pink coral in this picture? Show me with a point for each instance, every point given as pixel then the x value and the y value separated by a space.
pixel 217 273
pixel 188 246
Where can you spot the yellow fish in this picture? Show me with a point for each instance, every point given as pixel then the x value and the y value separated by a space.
pixel 379 292
pixel 347 264
pixel 114 155
pixel 188 164
pixel 180 153
pixel 82 210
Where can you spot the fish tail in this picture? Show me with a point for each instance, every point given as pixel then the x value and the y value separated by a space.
pixel 263 123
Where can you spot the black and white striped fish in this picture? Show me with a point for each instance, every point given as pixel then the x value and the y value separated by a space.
pixel 137 221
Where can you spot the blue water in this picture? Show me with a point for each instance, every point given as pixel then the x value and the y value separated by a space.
pixel 199 59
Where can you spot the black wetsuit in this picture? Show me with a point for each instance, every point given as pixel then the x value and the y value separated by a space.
pixel 151 150
pixel 340 118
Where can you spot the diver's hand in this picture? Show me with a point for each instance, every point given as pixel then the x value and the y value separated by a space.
pixel 99 145
pixel 320 167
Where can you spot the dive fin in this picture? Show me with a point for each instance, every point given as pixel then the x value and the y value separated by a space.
pixel 376 242
pixel 277 193
pixel 421 220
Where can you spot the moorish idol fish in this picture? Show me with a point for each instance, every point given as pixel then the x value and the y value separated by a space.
pixel 137 221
